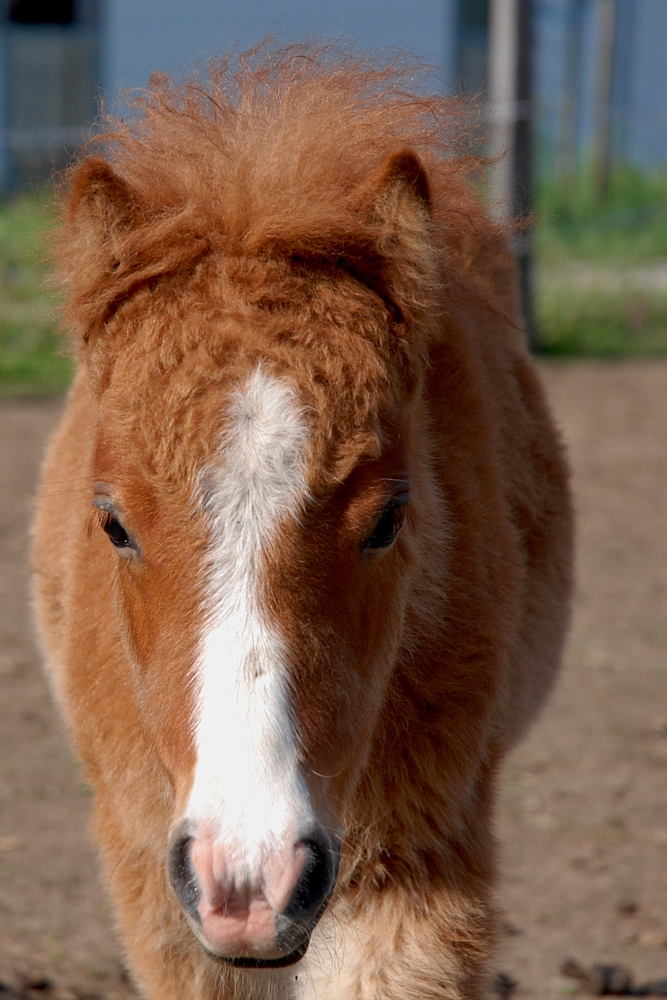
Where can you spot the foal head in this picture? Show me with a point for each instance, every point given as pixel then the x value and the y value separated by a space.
pixel 261 474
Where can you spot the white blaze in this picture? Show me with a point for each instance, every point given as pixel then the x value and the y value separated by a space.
pixel 248 791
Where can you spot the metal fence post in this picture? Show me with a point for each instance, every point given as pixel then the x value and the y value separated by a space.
pixel 511 97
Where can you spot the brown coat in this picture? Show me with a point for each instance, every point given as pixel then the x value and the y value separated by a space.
pixel 308 216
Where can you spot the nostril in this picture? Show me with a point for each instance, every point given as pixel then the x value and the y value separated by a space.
pixel 317 878
pixel 182 877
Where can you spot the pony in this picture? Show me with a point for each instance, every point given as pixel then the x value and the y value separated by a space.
pixel 302 553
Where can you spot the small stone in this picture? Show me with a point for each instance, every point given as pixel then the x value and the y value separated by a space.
pixel 627 907
pixel 609 980
pixel 573 969
pixel 42 984
pixel 7 666
pixel 652 939
pixel 658 988
pixel 504 986
pixel 658 751
pixel 600 980
pixel 9 842
pixel 7 993
pixel 542 821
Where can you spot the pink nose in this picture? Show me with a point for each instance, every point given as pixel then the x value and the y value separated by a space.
pixel 239 917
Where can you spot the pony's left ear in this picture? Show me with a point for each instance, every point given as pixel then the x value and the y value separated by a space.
pixel 402 179
pixel 397 200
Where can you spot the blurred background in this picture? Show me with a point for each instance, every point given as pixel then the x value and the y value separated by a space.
pixel 572 97
pixel 573 94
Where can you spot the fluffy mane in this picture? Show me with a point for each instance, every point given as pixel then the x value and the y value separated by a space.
pixel 266 153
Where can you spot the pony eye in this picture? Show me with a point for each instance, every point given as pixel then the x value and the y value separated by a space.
pixel 116 532
pixel 390 523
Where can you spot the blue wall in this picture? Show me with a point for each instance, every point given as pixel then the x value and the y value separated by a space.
pixel 647 113
pixel 639 90
pixel 139 36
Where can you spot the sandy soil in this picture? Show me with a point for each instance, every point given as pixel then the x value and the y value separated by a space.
pixel 583 806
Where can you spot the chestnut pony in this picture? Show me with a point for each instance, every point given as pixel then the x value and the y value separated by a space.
pixel 302 554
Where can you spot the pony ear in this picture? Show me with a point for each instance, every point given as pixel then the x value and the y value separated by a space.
pixel 397 200
pixel 114 242
pixel 92 248
pixel 101 202
pixel 403 177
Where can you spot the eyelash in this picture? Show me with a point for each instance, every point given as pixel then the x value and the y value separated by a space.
pixel 114 530
pixel 389 524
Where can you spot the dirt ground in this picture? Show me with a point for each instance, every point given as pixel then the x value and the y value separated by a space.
pixel 582 817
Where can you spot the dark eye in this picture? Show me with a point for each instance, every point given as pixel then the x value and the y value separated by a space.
pixel 116 532
pixel 390 523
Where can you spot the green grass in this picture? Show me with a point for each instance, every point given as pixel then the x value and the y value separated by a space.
pixel 629 226
pixel 598 287
pixel 602 324
pixel 32 359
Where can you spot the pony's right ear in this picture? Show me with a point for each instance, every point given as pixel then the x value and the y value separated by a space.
pixel 94 252
pixel 110 247
pixel 101 203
